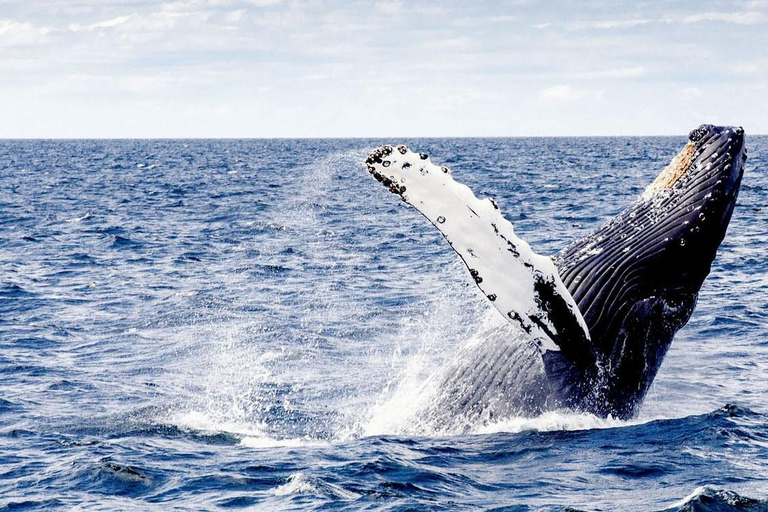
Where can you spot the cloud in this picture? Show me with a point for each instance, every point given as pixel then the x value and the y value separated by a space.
pixel 320 61
pixel 692 93
pixel 609 24
pixel 745 69
pixel 135 84
pixel 101 24
pixel 557 92
pixel 621 72
pixel 14 33
pixel 605 24
pixel 593 25
pixel 739 18
pixel 255 3
pixel 501 19
pixel 389 7
pixel 566 93
pixel 235 16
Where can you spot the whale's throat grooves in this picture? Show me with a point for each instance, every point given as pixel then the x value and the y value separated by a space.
pixel 636 279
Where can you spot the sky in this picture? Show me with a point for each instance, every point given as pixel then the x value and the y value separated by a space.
pixel 322 68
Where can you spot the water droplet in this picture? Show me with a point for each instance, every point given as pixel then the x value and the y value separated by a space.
pixel 440 219
pixel 701 216
pixel 682 242
pixel 385 163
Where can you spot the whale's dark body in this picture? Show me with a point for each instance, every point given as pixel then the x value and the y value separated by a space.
pixel 653 258
pixel 635 281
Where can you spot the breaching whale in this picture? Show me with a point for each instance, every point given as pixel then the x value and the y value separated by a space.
pixel 593 323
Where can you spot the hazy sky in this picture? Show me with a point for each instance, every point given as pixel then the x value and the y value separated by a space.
pixel 272 68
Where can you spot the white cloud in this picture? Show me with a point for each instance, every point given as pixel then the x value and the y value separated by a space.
pixel 557 92
pixel 692 93
pixel 606 24
pixel 114 22
pixel 283 20
pixel 446 43
pixel 739 18
pixel 567 93
pixel 235 16
pixel 163 21
pixel 501 19
pixel 745 69
pixel 757 4
pixel 389 7
pixel 135 84
pixel 622 72
pixel 227 3
pixel 594 25
pixel 324 58
pixel 14 33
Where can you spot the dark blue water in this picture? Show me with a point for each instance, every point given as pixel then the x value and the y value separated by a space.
pixel 228 324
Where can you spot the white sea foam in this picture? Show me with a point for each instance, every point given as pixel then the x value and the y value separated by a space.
pixel 251 434
pixel 204 422
pixel 553 421
pixel 271 442
pixel 423 347
pixel 300 483
pixel 695 494
pixel 297 483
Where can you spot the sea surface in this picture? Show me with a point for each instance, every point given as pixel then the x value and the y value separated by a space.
pixel 226 324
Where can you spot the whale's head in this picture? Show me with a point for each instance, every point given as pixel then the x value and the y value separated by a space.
pixel 636 280
pixel 692 200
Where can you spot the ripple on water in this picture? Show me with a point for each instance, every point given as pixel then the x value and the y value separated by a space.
pixel 175 334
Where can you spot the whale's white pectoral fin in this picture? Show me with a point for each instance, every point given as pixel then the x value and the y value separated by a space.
pixel 523 286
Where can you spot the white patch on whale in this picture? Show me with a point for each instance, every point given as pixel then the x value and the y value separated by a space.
pixel 503 266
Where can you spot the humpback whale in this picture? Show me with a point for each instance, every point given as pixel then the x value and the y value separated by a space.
pixel 587 329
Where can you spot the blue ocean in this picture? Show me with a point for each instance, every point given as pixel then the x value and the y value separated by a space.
pixel 229 324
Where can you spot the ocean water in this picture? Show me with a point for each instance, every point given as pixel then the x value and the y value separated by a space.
pixel 197 324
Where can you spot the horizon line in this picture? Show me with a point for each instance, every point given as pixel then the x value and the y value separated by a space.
pixel 356 137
